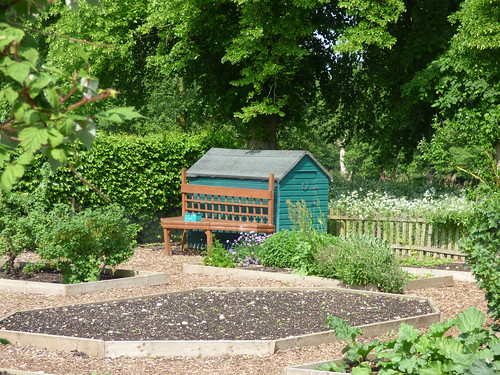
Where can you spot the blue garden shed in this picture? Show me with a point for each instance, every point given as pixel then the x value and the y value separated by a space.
pixel 298 176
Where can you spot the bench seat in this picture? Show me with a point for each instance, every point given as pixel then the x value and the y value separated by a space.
pixel 222 209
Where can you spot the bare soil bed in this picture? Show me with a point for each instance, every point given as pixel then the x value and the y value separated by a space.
pixel 215 315
pixel 449 300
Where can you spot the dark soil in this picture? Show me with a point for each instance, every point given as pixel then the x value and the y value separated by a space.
pixel 43 276
pixel 215 315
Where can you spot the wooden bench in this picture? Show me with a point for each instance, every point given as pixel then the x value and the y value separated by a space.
pixel 222 209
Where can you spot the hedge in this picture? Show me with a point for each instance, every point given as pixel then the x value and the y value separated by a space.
pixel 140 173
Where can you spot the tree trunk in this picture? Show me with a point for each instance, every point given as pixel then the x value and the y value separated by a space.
pixel 262 133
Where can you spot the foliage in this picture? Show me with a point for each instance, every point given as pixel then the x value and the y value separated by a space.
pixel 463 85
pixel 356 352
pixel 245 248
pixel 218 256
pixel 422 261
pixel 83 244
pixel 43 117
pixel 282 250
pixel 140 173
pixel 475 351
pixel 368 112
pixel 361 260
pixel 262 60
pixel 21 215
pixel 482 245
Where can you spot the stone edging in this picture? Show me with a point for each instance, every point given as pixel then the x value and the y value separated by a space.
pixel 127 279
pixel 428 282
pixel 112 349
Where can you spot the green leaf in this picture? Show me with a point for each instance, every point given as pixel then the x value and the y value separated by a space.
pixel 470 320
pixel 33 138
pixel 481 367
pixel 10 175
pixel 66 126
pixel 119 114
pixel 86 132
pixel 52 97
pixel 9 94
pixel 342 330
pixel 55 137
pixel 18 71
pixel 361 371
pixel 4 342
pixel 25 158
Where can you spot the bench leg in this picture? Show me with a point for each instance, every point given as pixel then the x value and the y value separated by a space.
pixel 183 239
pixel 166 235
pixel 208 232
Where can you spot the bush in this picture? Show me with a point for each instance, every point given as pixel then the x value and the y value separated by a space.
pixel 282 249
pixel 361 260
pixel 218 256
pixel 482 245
pixel 83 244
pixel 21 214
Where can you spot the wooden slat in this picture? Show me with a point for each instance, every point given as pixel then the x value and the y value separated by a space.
pixel 404 234
pixel 225 191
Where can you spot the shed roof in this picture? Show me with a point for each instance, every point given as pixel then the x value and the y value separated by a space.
pixel 249 164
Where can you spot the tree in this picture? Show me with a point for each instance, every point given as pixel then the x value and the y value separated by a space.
pixel 463 84
pixel 42 101
pixel 368 92
pixel 262 61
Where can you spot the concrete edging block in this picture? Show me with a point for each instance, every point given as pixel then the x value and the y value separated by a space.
pixel 113 349
pixel 127 279
pixel 428 282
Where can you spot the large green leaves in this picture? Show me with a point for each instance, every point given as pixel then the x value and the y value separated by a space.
pixel 43 103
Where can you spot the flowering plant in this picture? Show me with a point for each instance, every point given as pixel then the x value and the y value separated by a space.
pixel 244 249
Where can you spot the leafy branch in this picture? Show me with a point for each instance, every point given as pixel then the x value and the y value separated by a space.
pixel 45 117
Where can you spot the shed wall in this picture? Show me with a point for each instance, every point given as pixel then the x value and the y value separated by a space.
pixel 306 182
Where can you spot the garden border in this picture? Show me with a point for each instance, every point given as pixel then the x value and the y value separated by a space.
pixel 194 348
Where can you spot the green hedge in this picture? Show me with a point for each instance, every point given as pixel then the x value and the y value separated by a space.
pixel 140 173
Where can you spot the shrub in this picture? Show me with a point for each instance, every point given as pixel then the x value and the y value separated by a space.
pixel 218 256
pixel 482 245
pixel 82 244
pixel 21 215
pixel 475 351
pixel 282 250
pixel 361 260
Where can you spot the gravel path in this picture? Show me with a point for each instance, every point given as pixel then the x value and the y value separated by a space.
pixel 450 301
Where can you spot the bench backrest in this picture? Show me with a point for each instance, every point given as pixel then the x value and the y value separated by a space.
pixel 227 203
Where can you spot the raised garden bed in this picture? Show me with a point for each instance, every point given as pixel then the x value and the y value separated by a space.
pixel 213 321
pixel 118 279
pixel 288 277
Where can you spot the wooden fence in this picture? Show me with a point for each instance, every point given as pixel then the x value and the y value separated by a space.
pixel 407 236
